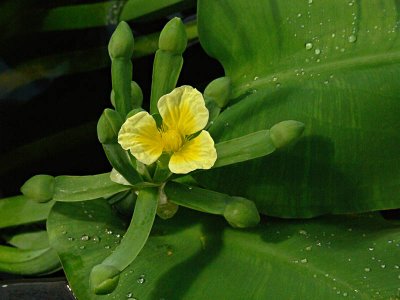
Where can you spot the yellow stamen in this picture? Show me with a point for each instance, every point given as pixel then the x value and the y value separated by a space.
pixel 172 140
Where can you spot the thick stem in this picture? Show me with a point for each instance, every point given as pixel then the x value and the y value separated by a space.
pixel 104 277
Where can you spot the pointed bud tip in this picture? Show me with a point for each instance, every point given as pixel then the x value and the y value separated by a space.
pixel 219 90
pixel 286 132
pixel 173 37
pixel 104 279
pixel 241 213
pixel 108 126
pixel 39 188
pixel 121 42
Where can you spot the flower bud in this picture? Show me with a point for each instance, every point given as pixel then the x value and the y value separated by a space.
pixel 104 279
pixel 136 95
pixel 121 42
pixel 219 91
pixel 108 126
pixel 286 132
pixel 39 188
pixel 173 37
pixel 241 213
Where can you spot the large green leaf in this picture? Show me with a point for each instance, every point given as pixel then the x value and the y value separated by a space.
pixel 197 256
pixel 333 65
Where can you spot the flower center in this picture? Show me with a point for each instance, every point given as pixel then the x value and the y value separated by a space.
pixel 172 140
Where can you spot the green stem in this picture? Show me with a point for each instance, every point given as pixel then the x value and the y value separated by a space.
pixel 196 198
pixel 253 145
pixel 104 277
pixel 120 160
pixel 239 212
pixel 168 61
pixel 23 211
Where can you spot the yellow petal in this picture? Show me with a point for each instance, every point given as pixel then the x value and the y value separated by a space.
pixel 198 153
pixel 139 134
pixel 184 110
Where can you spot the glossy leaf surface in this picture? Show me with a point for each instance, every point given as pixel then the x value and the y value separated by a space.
pixel 333 65
pixel 197 256
pixel 19 210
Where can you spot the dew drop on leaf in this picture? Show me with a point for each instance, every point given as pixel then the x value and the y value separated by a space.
pixel 309 46
pixel 141 279
pixel 352 38
pixel 85 237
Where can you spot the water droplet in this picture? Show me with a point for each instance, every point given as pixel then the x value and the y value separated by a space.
pixel 383 266
pixel 96 239
pixel 309 46
pixel 274 79
pixel 299 15
pixel 314 275
pixel 277 85
pixel 302 232
pixel 344 294
pixel 319 244
pixel 64 232
pixel 118 235
pixel 317 51
pixel 255 78
pixel 304 261
pixel 70 238
pixel 326 82
pixel 309 248
pixel 333 35
pixel 108 231
pixel 85 237
pixel 190 188
pixel 396 267
pixel 352 38
pixel 81 247
pixel 4 285
pixel 367 269
pixel 141 279
pixel 130 296
pixel 371 248
pixel 107 246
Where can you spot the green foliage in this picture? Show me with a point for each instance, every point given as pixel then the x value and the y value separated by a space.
pixel 334 66
pixel 196 256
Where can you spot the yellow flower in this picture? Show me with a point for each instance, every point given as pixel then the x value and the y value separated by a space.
pixel 184 114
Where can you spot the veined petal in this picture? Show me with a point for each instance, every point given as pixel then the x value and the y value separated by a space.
pixel 198 153
pixel 184 110
pixel 139 135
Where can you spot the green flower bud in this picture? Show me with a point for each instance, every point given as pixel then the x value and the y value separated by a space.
pixel 133 112
pixel 108 126
pixel 136 95
pixel 39 188
pixel 104 279
pixel 286 132
pixel 219 90
pixel 121 42
pixel 112 98
pixel 241 213
pixel 173 37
